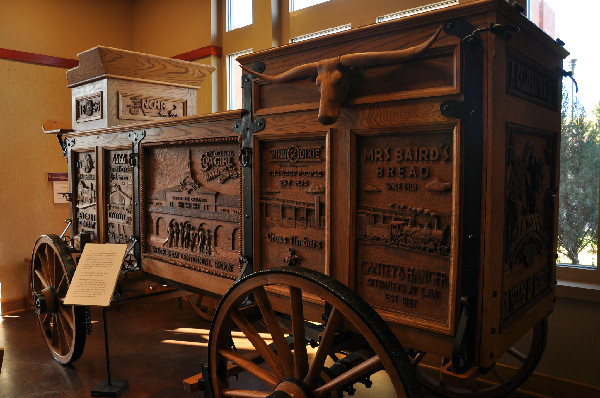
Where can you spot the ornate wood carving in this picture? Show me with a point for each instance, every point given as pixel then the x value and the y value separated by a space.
pixel 119 196
pixel 143 107
pixel 85 193
pixel 404 222
pixel 292 203
pixel 89 107
pixel 192 204
pixel 530 186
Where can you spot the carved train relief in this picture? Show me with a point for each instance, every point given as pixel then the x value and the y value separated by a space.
pixel 404 217
pixel 529 212
pixel 194 219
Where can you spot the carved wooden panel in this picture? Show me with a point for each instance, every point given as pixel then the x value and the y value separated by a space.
pixel 528 260
pixel 191 210
pixel 89 107
pixel 119 196
pixel 85 192
pixel 406 199
pixel 291 203
pixel 144 107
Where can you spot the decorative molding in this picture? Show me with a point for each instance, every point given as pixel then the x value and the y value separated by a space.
pixel 200 53
pixel 8 306
pixel 39 59
pixel 67 63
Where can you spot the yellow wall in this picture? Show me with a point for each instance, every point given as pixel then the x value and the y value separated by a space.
pixel 29 95
pixel 64 28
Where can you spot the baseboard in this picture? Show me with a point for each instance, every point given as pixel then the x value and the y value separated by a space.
pixel 13 305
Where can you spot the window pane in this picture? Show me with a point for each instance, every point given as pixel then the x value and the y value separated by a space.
pixel 323 32
pixel 300 4
pixel 234 80
pixel 417 10
pixel 573 22
pixel 239 14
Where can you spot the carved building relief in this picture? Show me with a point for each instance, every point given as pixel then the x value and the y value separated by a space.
pixel 404 222
pixel 85 194
pixel 529 213
pixel 292 203
pixel 192 205
pixel 119 196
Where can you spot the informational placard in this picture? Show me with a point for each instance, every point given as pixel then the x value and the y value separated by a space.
pixel 61 189
pixel 60 185
pixel 96 274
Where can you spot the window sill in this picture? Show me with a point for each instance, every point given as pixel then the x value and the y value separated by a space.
pixel 584 291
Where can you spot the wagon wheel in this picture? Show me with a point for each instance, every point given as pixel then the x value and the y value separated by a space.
pixel 487 383
pixel 204 305
pixel 353 330
pixel 63 326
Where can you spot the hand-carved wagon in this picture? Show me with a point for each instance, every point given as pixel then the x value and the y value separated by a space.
pixel 418 207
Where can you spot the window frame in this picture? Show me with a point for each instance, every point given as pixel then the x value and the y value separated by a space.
pixel 293 7
pixel 230 64
pixel 579 274
pixel 319 33
pixel 229 16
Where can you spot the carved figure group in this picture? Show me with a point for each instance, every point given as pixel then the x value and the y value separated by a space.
pixel 186 236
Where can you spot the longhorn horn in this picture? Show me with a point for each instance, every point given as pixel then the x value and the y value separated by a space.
pixel 298 72
pixel 387 57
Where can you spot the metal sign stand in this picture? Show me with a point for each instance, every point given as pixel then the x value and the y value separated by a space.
pixel 109 387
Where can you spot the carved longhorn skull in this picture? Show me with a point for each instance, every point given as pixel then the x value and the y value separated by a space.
pixel 333 79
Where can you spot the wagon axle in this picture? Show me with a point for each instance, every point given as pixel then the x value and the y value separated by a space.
pixel 44 301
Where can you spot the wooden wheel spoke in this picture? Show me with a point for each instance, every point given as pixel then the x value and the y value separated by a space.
pixel 357 372
pixel 43 256
pixel 231 392
pixel 55 340
pixel 259 344
pixel 263 374
pixel 499 375
pixel 65 335
pixel 62 286
pixel 281 344
pixel 51 262
pixel 517 354
pixel 45 321
pixel 40 275
pixel 67 315
pixel 418 358
pixel 316 367
pixel 300 354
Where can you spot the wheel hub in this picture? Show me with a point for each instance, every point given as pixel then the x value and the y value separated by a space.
pixel 44 301
pixel 291 389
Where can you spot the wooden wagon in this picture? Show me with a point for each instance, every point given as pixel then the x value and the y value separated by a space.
pixel 409 196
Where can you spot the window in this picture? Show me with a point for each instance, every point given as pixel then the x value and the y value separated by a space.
pixel 417 10
pixel 300 4
pixel 573 22
pixel 234 80
pixel 320 33
pixel 239 14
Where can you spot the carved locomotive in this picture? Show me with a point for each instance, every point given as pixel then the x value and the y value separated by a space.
pixel 418 187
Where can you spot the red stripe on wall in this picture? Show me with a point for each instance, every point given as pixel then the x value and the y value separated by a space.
pixel 200 53
pixel 39 59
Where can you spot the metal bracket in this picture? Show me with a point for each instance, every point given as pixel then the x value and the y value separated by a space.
pixel 569 74
pixel 66 145
pixel 456 109
pixel 460 355
pixel 133 159
pixel 470 35
pixel 136 138
pixel 245 157
pixel 244 261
